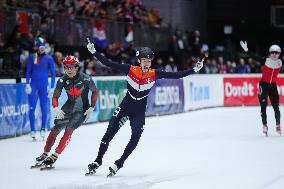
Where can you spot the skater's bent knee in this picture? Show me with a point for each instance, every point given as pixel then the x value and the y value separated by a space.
pixel 55 130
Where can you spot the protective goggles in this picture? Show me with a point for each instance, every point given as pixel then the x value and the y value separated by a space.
pixel 274 52
pixel 69 67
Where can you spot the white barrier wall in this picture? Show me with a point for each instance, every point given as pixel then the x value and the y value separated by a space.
pixel 202 91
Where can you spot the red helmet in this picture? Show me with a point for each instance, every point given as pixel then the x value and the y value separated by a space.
pixel 70 60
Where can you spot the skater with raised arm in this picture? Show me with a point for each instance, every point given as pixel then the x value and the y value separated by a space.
pixel 140 80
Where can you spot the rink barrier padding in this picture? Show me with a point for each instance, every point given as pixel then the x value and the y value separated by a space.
pixel 13 110
pixel 110 95
pixel 168 96
pixel 243 90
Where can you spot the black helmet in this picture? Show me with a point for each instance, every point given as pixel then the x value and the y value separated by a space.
pixel 145 52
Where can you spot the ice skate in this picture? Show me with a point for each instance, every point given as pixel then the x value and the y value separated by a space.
pixel 278 129
pixel 113 170
pixel 39 160
pixel 48 162
pixel 265 130
pixel 92 168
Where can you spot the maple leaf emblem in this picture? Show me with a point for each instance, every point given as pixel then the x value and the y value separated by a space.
pixel 74 92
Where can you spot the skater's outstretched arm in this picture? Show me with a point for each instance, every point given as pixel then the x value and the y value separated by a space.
pixel 173 75
pixel 251 54
pixel 115 65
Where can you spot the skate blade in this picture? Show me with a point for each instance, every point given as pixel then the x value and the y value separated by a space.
pixel 46 168
pixel 110 175
pixel 266 134
pixel 92 173
pixel 112 172
pixel 36 166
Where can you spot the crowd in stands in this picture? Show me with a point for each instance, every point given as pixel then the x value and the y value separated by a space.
pixel 184 48
pixel 130 11
pixel 183 52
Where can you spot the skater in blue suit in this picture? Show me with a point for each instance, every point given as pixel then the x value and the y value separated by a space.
pixel 38 66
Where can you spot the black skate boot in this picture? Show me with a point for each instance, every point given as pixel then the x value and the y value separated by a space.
pixel 48 162
pixel 278 129
pixel 93 168
pixel 113 170
pixel 39 160
pixel 265 130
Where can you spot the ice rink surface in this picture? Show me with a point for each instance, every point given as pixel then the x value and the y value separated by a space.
pixel 219 148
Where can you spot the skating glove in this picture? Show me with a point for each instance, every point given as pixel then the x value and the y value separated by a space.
pixel 244 45
pixel 198 65
pixel 50 92
pixel 91 46
pixel 59 114
pixel 88 113
pixel 28 89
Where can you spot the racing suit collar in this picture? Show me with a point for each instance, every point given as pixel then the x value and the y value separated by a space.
pixel 75 77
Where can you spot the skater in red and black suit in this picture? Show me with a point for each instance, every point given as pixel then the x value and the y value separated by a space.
pixel 73 113
pixel 268 87
pixel 140 80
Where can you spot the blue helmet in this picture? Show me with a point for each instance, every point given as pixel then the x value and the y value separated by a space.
pixel 39 42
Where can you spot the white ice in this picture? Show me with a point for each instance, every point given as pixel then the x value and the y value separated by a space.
pixel 219 148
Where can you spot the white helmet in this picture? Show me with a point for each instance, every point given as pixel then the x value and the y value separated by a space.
pixel 275 48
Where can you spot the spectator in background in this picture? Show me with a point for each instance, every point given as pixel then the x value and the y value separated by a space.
pixel 242 67
pixel 231 65
pixel 180 41
pixel 113 52
pixel 189 62
pixel 12 52
pixel 171 67
pixel 154 18
pixel 177 47
pixel 100 69
pixel 130 52
pixel 24 59
pixel 81 63
pixel 211 66
pixel 195 43
pixel 90 68
pixel 222 68
pixel 1 51
pixel 59 68
pixel 159 64
pixel 27 42
pixel 255 66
